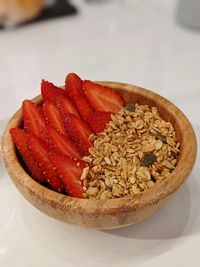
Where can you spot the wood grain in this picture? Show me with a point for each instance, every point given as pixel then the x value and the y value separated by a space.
pixel 112 213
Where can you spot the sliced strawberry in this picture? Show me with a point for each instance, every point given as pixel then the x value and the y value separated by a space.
pixel 79 132
pixel 40 152
pixel 98 120
pixel 73 85
pixel 82 164
pixel 70 174
pixel 34 120
pixel 61 144
pixel 20 140
pixel 65 105
pixel 53 117
pixel 83 106
pixel 102 98
pixel 49 91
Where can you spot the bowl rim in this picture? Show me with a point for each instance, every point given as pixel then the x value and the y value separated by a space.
pixel 111 206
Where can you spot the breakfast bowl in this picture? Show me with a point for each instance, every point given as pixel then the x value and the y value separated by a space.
pixel 106 213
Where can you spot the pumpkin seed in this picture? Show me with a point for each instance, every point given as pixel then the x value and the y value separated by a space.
pixel 148 160
pixel 161 137
pixel 153 179
pixel 130 107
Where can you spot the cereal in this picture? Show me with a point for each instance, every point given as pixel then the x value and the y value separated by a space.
pixel 136 151
pixel 84 173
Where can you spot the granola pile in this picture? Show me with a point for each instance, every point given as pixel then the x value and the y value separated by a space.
pixel 136 151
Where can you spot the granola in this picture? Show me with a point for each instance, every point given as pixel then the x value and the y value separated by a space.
pixel 136 151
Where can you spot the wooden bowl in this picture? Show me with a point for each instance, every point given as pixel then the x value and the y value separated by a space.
pixel 112 213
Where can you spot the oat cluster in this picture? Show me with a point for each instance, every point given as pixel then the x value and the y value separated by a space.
pixel 136 151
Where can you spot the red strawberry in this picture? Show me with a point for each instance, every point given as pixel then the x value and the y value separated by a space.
pixel 61 144
pixel 34 121
pixel 65 105
pixel 79 132
pixel 82 164
pixel 83 106
pixel 53 117
pixel 98 120
pixel 20 139
pixel 70 174
pixel 40 152
pixel 73 84
pixel 49 91
pixel 102 98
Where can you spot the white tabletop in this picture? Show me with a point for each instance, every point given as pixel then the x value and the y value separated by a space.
pixel 121 40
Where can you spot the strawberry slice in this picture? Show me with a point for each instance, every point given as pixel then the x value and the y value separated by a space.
pixel 53 117
pixel 79 132
pixel 82 164
pixel 40 152
pixel 65 105
pixel 70 174
pixel 34 120
pixel 61 144
pixel 98 120
pixel 20 140
pixel 49 91
pixel 83 106
pixel 73 85
pixel 102 98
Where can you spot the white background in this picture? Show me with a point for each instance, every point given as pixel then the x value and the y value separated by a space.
pixel 134 41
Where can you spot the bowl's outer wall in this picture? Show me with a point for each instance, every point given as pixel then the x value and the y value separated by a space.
pixel 113 213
